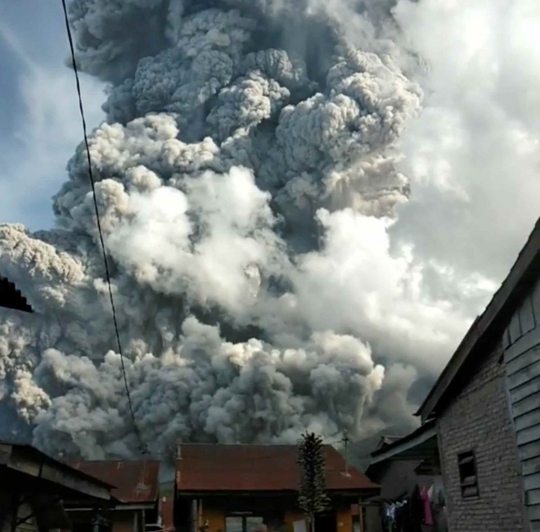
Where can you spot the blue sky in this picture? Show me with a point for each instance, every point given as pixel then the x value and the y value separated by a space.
pixel 39 121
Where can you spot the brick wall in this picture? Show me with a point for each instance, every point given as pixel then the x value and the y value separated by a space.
pixel 478 419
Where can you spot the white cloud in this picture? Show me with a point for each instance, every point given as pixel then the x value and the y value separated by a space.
pixel 354 284
pixel 473 155
pixel 48 129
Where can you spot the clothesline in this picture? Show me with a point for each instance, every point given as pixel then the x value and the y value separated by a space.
pixel 408 513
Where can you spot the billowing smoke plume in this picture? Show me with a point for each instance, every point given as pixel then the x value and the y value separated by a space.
pixel 246 179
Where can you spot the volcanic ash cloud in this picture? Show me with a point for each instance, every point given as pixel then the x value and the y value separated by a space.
pixel 245 175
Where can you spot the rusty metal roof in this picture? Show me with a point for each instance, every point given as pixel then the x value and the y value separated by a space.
pixel 217 467
pixel 135 481
pixel 12 298
pixel 12 455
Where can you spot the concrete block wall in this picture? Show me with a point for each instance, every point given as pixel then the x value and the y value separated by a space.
pixel 478 419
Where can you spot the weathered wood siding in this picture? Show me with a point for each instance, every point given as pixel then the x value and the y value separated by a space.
pixel 521 344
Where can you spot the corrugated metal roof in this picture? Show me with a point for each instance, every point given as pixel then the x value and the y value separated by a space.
pixel 135 481
pixel 388 440
pixel 426 429
pixel 11 454
pixel 12 298
pixel 256 468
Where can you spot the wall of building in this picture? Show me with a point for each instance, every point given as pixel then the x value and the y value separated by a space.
pixel 120 520
pixel 215 511
pixel 290 519
pixel 344 520
pixel 478 419
pixel 521 343
pixel 215 517
pixel 373 521
pixel 124 521
pixel 398 477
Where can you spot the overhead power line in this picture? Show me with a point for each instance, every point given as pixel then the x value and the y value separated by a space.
pixel 96 208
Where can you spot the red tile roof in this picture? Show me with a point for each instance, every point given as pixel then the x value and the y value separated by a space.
pixel 135 481
pixel 167 513
pixel 256 468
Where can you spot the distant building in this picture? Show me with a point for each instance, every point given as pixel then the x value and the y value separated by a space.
pixel 483 413
pixel 236 488
pixel 135 506
pixel 34 488
pixel 401 466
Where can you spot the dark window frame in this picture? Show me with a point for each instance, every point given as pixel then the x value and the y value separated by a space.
pixel 468 475
pixel 244 516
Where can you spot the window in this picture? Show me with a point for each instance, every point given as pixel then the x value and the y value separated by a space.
pixel 252 523
pixel 242 523
pixel 234 524
pixel 467 475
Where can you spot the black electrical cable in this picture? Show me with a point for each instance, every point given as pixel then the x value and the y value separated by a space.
pixel 107 271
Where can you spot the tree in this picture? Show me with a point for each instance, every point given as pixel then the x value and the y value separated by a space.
pixel 312 498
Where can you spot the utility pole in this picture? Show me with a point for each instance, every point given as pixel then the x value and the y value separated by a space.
pixel 346 444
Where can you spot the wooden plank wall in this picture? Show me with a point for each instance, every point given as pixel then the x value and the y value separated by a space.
pixel 521 342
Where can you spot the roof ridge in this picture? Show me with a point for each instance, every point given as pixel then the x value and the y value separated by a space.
pixel 496 312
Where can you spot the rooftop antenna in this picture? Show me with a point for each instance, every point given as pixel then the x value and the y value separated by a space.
pixel 141 485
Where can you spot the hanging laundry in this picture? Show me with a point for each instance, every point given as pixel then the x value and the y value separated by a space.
pixel 400 518
pixel 426 503
pixel 391 512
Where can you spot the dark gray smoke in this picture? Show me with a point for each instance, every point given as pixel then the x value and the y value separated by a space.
pixel 246 178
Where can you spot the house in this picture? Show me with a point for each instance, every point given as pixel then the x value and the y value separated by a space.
pixel 12 298
pixel 399 466
pixel 398 478
pixel 483 413
pixel 236 488
pixel 401 474
pixel 34 487
pixel 135 504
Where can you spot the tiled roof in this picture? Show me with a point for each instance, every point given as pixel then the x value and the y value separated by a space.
pixel 135 481
pixel 204 467
pixel 12 298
